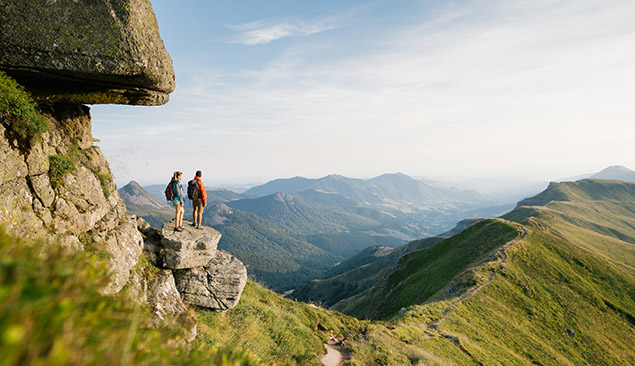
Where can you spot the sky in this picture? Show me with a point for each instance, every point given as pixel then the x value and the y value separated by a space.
pixel 542 89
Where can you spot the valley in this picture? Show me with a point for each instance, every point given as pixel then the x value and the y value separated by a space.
pixel 544 284
pixel 305 227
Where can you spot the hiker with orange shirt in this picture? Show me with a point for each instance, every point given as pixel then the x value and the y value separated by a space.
pixel 196 192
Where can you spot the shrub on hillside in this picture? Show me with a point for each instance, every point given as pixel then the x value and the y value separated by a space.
pixel 18 111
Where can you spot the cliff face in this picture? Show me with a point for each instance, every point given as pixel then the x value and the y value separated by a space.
pixel 55 183
pixel 61 185
pixel 67 53
pixel 86 51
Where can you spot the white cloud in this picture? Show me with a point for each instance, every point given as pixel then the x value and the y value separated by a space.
pixel 488 87
pixel 258 33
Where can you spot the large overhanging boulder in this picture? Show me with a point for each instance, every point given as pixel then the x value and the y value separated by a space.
pixel 86 51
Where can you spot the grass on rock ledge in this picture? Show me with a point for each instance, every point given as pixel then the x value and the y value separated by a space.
pixel 18 111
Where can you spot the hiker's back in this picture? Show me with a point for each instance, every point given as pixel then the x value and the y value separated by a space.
pixel 193 191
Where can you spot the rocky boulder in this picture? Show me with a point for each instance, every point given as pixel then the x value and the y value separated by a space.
pixel 189 248
pixel 217 285
pixel 166 303
pixel 86 51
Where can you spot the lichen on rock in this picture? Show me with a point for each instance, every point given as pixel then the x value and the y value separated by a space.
pixel 218 285
pixel 86 51
pixel 189 248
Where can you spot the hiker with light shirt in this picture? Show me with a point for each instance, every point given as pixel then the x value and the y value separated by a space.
pixel 178 200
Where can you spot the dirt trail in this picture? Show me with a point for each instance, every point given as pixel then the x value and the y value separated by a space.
pixel 335 353
pixel 432 327
pixel 503 259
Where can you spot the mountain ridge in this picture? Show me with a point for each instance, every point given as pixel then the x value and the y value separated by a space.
pixel 134 194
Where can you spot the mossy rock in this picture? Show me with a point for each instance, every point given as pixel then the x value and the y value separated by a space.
pixel 86 51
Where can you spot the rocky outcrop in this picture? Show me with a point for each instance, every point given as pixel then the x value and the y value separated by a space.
pixel 166 303
pixel 189 248
pixel 163 298
pixel 218 285
pixel 58 184
pixel 83 208
pixel 86 51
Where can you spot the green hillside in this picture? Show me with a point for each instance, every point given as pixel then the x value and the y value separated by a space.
pixel 357 274
pixel 275 330
pixel 543 290
pixel 274 256
pixel 563 293
pixel 422 273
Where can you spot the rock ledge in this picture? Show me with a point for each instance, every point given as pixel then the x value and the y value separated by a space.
pixel 86 51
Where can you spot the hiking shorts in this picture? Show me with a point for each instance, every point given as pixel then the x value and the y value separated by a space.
pixel 197 204
pixel 176 201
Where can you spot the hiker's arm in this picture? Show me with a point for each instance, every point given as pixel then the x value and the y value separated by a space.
pixel 203 194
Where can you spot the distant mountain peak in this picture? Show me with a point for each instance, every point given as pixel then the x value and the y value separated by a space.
pixel 134 194
pixel 617 172
pixel 616 168
pixel 336 176
pixel 134 184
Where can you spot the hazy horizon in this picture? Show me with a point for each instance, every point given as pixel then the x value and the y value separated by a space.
pixel 482 184
pixel 541 90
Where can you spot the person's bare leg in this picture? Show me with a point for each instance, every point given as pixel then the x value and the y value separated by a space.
pixel 179 216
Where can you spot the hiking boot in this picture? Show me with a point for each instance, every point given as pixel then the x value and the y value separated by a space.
pixel 179 229
pixel 193 224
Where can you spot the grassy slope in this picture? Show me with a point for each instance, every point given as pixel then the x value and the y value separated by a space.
pixel 276 330
pixel 423 273
pixel 358 279
pixel 565 295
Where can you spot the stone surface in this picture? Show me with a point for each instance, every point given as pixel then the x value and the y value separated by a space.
pixel 86 51
pixel 189 248
pixel 166 304
pixel 81 207
pixel 151 242
pixel 137 286
pixel 218 285
pixel 124 244
pixel 163 297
